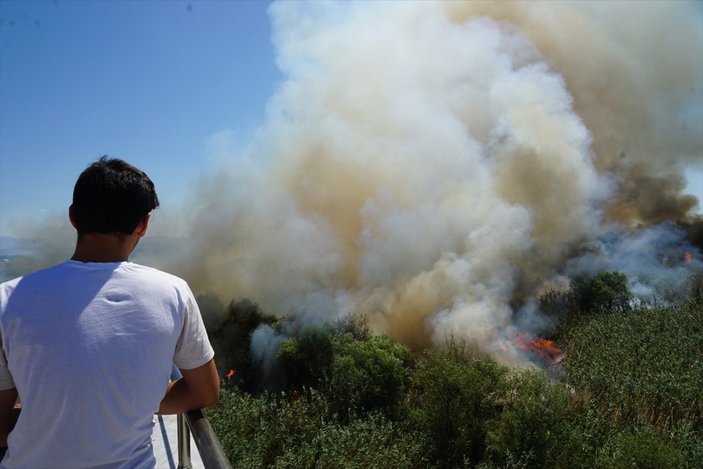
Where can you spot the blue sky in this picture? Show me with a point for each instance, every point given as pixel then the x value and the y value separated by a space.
pixel 150 82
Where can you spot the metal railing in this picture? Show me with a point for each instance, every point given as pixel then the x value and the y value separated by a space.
pixel 209 448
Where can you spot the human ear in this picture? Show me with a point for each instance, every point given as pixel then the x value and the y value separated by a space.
pixel 140 230
pixel 72 216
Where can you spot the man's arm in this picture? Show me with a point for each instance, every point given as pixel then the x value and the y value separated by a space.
pixel 199 387
pixel 8 414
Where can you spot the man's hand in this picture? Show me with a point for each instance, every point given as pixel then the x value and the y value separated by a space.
pixel 199 387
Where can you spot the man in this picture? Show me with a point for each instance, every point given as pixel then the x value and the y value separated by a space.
pixel 88 345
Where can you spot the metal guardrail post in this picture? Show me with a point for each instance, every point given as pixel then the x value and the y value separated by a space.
pixel 183 444
pixel 209 448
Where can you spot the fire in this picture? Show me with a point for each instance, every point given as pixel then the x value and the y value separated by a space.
pixel 230 374
pixel 545 349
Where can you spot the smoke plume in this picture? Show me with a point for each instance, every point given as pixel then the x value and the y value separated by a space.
pixel 435 165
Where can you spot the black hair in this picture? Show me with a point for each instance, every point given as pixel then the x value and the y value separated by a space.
pixel 112 196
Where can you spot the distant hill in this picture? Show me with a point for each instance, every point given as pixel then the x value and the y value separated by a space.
pixel 10 247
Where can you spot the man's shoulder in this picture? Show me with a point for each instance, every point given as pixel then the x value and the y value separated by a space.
pixel 28 285
pixel 10 285
pixel 152 273
pixel 152 283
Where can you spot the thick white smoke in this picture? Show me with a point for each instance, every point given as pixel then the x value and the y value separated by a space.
pixel 429 163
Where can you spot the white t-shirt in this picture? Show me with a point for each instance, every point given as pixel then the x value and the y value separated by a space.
pixel 90 347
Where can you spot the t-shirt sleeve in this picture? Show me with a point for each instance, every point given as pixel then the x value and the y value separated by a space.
pixel 193 348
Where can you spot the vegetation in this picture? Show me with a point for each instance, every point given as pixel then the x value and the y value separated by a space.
pixel 630 393
pixel 232 341
pixel 607 291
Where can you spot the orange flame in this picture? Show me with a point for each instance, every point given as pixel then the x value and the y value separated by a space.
pixel 230 374
pixel 544 348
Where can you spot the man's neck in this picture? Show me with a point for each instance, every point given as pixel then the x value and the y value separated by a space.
pixel 98 247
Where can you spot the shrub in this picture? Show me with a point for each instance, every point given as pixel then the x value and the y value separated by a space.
pixel 641 449
pixel 641 367
pixel 682 436
pixel 641 370
pixel 534 425
pixel 452 399
pixel 232 340
pixel 371 442
pixel 307 358
pixel 605 291
pixel 367 376
pixel 555 303
pixel 293 431
pixel 356 325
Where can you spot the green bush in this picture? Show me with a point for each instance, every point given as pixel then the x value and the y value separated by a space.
pixel 358 373
pixel 533 426
pixel 682 436
pixel 607 291
pixel 307 358
pixel 641 370
pixel 556 303
pixel 232 339
pixel 368 376
pixel 641 449
pixel 293 431
pixel 641 367
pixel 356 325
pixel 452 399
pixel 372 442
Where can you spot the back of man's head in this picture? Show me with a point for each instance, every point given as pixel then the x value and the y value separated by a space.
pixel 112 196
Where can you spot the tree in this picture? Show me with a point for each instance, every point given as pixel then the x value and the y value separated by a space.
pixel 368 375
pixel 605 291
pixel 453 398
pixel 307 358
pixel 232 340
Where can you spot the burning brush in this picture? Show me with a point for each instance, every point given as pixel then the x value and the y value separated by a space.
pixel 538 351
pixel 545 349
